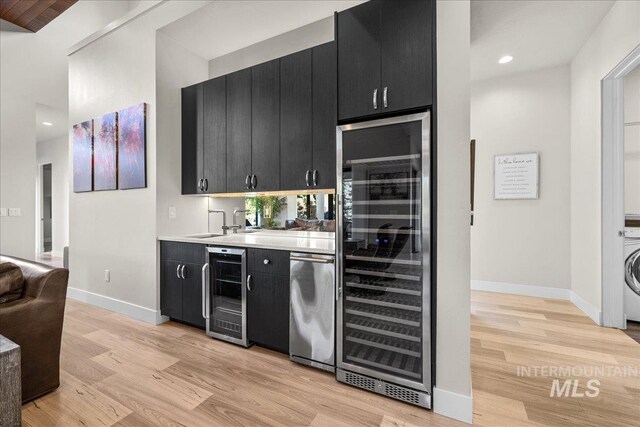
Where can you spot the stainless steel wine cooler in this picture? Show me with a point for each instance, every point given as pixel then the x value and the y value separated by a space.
pixel 384 257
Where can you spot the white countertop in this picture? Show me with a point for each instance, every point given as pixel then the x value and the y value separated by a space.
pixel 294 241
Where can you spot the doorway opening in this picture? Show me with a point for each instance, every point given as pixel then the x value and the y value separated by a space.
pixel 615 221
pixel 46 208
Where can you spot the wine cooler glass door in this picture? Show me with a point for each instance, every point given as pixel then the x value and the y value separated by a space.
pixel 384 232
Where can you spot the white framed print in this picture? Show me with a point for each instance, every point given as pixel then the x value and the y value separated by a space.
pixel 516 176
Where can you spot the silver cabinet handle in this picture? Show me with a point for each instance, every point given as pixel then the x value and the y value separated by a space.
pixel 254 181
pixel 315 177
pixel 249 282
pixel 375 99
pixel 266 261
pixel 384 97
pixel 205 184
pixel 310 259
pixel 247 183
pixel 178 272
pixel 306 177
pixel 200 184
pixel 205 294
pixel 182 275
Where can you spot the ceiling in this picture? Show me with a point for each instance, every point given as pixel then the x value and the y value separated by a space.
pixel 538 34
pixel 56 116
pixel 33 14
pixel 226 26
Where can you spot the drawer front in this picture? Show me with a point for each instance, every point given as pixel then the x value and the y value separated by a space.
pixel 194 253
pixel 269 261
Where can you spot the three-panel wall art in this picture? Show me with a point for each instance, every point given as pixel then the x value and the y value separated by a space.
pixel 109 152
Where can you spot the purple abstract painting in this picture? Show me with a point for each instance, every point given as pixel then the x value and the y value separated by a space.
pixel 132 170
pixel 105 153
pixel 83 157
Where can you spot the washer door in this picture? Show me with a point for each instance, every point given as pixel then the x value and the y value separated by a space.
pixel 632 271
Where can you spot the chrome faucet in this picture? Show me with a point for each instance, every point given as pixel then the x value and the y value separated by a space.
pixel 237 227
pixel 224 219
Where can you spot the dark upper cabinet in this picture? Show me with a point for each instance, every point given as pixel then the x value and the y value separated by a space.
pixel 406 52
pixel 265 126
pixel 296 121
pixel 385 58
pixel 192 139
pixel 358 44
pixel 238 130
pixel 324 116
pixel 214 136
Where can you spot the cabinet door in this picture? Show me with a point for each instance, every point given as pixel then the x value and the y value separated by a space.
pixel 191 139
pixel 170 290
pixel 295 121
pixel 192 295
pixel 268 311
pixel 406 47
pixel 324 115
pixel 358 38
pixel 265 125
pixel 215 135
pixel 238 130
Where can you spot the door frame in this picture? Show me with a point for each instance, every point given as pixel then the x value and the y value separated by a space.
pixel 613 215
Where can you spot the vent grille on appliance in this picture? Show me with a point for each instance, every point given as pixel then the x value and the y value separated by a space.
pixel 223 324
pixel 360 381
pixel 402 393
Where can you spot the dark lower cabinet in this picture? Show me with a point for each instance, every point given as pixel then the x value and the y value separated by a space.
pixel 192 295
pixel 268 298
pixel 171 290
pixel 181 283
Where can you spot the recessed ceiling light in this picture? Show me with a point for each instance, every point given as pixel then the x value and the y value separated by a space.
pixel 505 59
pixel 47 123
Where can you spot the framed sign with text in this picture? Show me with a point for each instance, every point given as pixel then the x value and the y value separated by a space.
pixel 516 176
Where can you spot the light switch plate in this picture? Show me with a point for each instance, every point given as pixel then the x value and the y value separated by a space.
pixel 3 212
pixel 172 212
pixel 15 212
pixel 107 275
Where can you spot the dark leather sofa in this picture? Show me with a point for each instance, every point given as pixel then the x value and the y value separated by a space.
pixel 35 323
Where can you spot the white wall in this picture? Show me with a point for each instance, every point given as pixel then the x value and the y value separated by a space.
pixel 632 142
pixel 614 38
pixel 176 68
pixel 524 242
pixel 25 58
pixel 56 152
pixel 452 396
pixel 311 35
pixel 116 230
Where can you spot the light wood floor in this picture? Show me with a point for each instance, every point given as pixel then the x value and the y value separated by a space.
pixel 117 371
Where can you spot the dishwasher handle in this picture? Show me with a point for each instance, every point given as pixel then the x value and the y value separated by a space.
pixel 311 259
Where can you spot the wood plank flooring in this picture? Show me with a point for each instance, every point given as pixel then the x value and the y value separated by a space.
pixel 633 330
pixel 117 371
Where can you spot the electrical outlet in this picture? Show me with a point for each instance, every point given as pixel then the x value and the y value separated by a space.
pixel 15 212
pixel 107 275
pixel 172 212
pixel 3 212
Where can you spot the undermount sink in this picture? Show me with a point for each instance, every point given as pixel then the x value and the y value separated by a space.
pixel 204 236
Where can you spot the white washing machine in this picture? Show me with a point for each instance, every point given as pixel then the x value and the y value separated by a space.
pixel 632 274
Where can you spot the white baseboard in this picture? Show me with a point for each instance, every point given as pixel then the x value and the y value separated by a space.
pixel 453 405
pixel 128 309
pixel 588 309
pixel 540 292
pixel 525 290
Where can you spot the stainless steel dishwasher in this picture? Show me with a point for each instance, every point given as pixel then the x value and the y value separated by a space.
pixel 312 310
